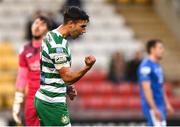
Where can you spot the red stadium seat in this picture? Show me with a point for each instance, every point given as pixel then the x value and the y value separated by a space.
pixel 85 89
pixel 96 75
pixel 104 89
pixel 134 103
pixel 117 103
pixel 123 90
pixel 168 88
pixel 93 103
pixel 175 101
pixel 135 89
pixel 90 88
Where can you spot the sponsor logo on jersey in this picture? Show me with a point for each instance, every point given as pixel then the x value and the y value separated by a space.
pixel 145 70
pixel 65 119
pixel 29 55
pixel 61 58
pixel 35 66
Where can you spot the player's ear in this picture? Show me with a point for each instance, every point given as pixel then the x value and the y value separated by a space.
pixel 71 24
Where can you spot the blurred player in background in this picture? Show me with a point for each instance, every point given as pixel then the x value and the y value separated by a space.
pixel 29 73
pixel 155 104
pixel 56 72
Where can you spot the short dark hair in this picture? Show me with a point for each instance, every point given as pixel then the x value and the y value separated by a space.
pixel 73 13
pixel 45 20
pixel 152 43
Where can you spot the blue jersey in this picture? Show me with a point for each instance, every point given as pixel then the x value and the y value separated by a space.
pixel 151 71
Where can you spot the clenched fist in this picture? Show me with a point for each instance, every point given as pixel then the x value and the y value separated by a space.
pixel 90 60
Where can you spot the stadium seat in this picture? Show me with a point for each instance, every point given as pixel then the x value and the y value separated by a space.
pixel 168 88
pixel 134 103
pixel 7 77
pixel 135 89
pixel 6 48
pixel 94 103
pixel 7 91
pixel 117 103
pixel 9 101
pixel 104 89
pixel 1 63
pixel 11 62
pixel 123 1
pixel 95 75
pixel 1 102
pixel 175 101
pixel 142 1
pixel 85 88
pixel 124 90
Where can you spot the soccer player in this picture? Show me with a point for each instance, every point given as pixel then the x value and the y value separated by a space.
pixel 155 104
pixel 56 72
pixel 29 72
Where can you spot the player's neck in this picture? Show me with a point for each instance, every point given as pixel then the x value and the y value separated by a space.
pixel 63 30
pixel 153 58
pixel 36 43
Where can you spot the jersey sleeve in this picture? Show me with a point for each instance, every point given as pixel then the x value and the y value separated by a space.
pixel 22 78
pixel 22 58
pixel 60 57
pixel 144 73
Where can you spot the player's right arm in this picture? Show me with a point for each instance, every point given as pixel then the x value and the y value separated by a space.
pixel 61 63
pixel 20 87
pixel 146 87
pixel 69 76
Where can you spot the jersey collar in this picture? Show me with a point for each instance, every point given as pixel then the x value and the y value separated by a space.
pixel 58 33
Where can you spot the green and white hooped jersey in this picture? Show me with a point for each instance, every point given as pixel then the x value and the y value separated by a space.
pixel 55 54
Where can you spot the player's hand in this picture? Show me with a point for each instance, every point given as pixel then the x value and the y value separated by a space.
pixel 16 112
pixel 169 109
pixel 18 99
pixel 71 91
pixel 157 114
pixel 90 60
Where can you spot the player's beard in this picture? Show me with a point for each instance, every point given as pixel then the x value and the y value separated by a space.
pixel 160 58
pixel 74 34
pixel 37 37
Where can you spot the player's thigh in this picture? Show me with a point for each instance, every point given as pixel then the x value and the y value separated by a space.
pixel 52 114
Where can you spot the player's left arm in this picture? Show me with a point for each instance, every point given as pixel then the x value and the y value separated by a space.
pixel 21 80
pixel 169 107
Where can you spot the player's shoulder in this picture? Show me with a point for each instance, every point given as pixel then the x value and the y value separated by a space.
pixel 145 62
pixel 145 66
pixel 25 48
pixel 55 35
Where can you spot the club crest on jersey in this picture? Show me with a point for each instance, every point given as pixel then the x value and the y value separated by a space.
pixel 145 70
pixel 65 119
pixel 61 58
pixel 29 55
